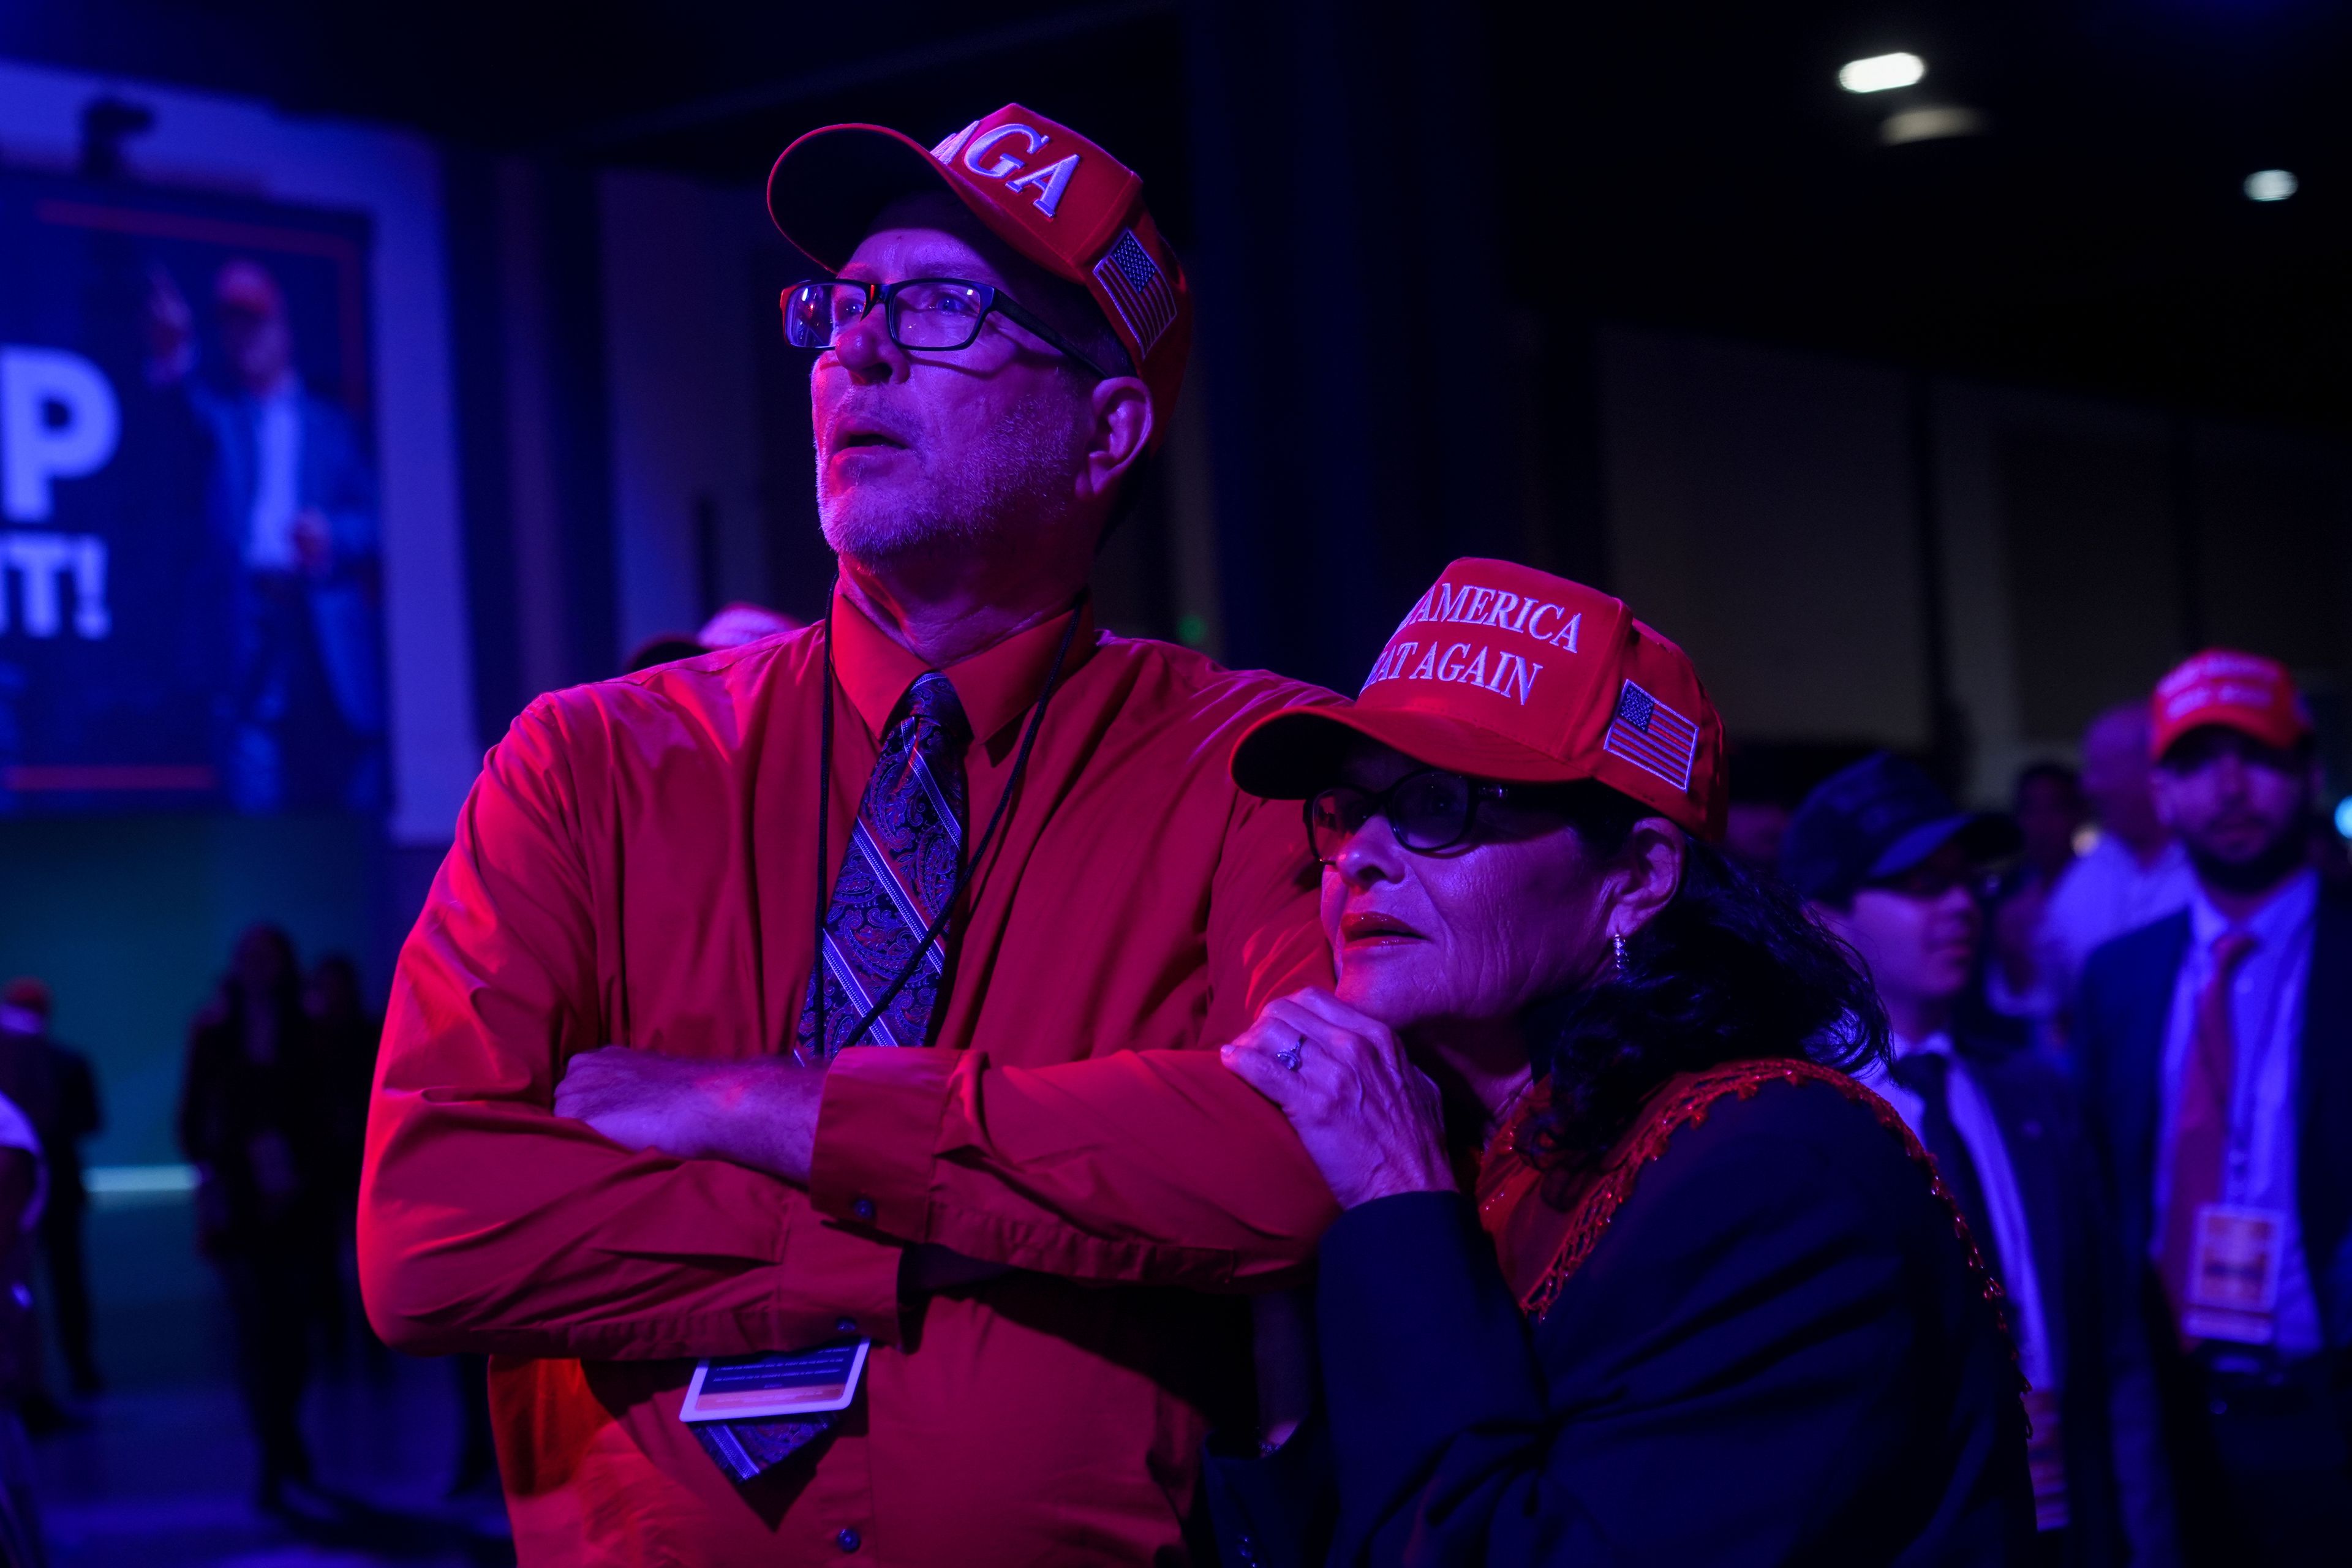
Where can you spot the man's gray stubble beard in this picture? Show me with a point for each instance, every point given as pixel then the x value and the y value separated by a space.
pixel 1019 476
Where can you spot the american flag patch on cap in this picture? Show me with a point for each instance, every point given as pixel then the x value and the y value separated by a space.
pixel 1145 297
pixel 1653 737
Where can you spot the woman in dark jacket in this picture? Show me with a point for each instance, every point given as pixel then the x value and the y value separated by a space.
pixel 1629 1269
pixel 255 1121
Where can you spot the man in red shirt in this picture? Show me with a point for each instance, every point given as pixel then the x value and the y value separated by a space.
pixel 1035 878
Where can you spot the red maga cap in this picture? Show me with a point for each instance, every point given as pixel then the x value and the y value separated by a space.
pixel 1504 672
pixel 1041 187
pixel 2242 691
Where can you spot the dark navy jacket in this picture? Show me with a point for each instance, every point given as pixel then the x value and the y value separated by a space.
pixel 1776 1354
pixel 2121 1018
pixel 2093 1310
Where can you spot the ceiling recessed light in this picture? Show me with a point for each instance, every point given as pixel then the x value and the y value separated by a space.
pixel 1880 72
pixel 2270 185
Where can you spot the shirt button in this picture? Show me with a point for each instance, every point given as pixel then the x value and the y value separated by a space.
pixel 864 1209
pixel 845 1325
pixel 849 1540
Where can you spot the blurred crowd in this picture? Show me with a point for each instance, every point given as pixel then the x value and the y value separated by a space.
pixel 2121 1025
pixel 272 1117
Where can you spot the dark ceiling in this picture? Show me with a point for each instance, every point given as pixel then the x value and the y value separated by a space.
pixel 2096 234
pixel 1666 161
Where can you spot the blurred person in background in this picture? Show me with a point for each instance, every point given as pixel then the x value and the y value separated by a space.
pixel 23 1182
pixel 2050 811
pixel 345 1034
pixel 741 623
pixel 55 1086
pixel 1890 866
pixel 2135 873
pixel 348 1034
pixel 1757 816
pixel 2331 856
pixel 663 647
pixel 734 626
pixel 292 505
pixel 255 1116
pixel 2215 1047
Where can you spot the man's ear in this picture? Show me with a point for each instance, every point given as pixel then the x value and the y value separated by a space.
pixel 1122 427
pixel 2161 784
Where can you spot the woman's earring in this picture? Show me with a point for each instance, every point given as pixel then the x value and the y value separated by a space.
pixel 1620 939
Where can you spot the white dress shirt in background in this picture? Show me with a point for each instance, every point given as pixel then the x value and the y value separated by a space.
pixel 1972 1120
pixel 2266 1025
pixel 2103 895
pixel 277 479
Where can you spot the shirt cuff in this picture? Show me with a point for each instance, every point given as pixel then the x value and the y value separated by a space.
pixel 855 1278
pixel 877 1127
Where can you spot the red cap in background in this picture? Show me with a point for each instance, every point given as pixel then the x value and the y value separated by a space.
pixel 25 1005
pixel 1504 672
pixel 2242 691
pixel 1041 187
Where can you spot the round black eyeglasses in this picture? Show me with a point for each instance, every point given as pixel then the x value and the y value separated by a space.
pixel 932 314
pixel 1428 811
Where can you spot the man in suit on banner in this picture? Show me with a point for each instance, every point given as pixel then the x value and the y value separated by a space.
pixel 291 514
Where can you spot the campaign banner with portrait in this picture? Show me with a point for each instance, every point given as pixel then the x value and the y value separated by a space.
pixel 191 601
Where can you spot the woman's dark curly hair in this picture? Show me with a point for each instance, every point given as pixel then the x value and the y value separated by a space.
pixel 1734 968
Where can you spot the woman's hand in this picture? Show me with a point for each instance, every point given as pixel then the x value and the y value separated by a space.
pixel 1369 1118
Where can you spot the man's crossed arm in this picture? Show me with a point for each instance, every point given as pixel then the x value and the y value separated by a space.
pixel 529 1193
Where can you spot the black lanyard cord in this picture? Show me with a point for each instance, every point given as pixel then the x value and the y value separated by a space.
pixel 823 815
pixel 970 862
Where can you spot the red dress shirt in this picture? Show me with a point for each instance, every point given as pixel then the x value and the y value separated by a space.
pixel 635 866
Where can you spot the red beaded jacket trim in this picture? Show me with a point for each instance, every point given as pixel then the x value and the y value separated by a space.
pixel 1685 1103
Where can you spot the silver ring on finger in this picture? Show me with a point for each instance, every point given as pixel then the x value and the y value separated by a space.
pixel 1290 1057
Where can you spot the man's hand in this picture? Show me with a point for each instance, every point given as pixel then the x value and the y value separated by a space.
pixel 760 1114
pixel 170 329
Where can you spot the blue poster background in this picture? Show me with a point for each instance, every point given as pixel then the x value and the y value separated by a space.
pixel 191 603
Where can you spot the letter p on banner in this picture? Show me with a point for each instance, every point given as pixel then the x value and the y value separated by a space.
pixel 58 420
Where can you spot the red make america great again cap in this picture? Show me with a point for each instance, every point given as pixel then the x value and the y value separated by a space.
pixel 1504 672
pixel 1041 187
pixel 2242 691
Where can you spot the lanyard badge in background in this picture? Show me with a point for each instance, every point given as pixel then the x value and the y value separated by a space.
pixel 2234 1274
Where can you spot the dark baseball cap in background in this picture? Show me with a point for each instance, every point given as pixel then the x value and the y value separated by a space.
pixel 1877 819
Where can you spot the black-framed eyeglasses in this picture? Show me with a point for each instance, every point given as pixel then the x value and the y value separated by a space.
pixel 1428 811
pixel 933 314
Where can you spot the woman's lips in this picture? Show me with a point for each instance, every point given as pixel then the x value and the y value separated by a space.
pixel 1369 928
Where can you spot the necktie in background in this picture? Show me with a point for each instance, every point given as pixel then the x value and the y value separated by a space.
pixel 898 872
pixel 2200 1124
pixel 1929 1075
